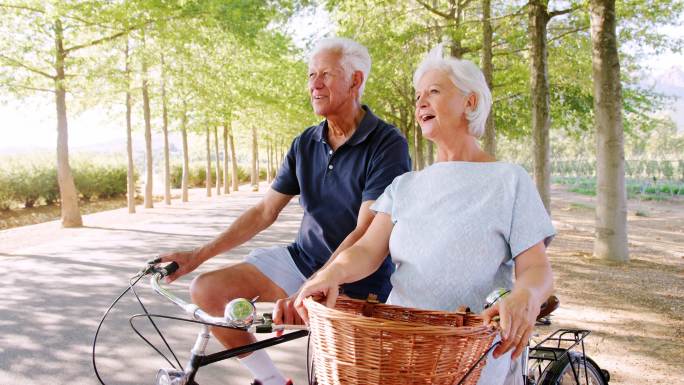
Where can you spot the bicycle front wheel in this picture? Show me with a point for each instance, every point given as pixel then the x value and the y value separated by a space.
pixel 574 369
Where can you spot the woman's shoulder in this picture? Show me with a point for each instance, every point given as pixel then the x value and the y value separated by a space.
pixel 478 170
pixel 513 168
pixel 405 178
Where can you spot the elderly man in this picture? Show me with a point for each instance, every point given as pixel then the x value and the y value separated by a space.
pixel 338 168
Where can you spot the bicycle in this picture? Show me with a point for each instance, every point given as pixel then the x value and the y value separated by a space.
pixel 543 364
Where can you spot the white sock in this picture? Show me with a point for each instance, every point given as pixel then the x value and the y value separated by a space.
pixel 263 369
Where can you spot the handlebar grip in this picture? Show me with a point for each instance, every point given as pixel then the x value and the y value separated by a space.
pixel 168 269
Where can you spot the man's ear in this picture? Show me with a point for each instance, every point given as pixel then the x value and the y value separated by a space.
pixel 357 80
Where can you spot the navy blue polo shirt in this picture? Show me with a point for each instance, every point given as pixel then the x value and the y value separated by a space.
pixel 332 185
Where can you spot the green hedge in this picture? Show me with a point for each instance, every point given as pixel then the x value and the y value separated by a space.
pixel 638 169
pixel 28 185
pixel 198 174
pixel 635 188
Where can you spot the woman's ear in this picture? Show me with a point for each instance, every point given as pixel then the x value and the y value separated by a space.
pixel 471 102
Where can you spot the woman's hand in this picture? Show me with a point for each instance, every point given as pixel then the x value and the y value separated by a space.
pixel 324 284
pixel 517 313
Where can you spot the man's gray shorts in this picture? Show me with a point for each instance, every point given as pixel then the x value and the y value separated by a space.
pixel 276 263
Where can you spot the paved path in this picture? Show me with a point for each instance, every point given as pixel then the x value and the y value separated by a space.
pixel 57 283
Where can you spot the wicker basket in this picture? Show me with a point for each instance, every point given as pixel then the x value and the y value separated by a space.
pixel 359 343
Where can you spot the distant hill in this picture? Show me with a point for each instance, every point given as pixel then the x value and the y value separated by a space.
pixel 671 83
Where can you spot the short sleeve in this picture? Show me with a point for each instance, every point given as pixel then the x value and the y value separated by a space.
pixel 391 160
pixel 286 181
pixel 530 223
pixel 385 203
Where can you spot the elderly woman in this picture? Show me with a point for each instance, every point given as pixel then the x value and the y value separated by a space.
pixel 459 228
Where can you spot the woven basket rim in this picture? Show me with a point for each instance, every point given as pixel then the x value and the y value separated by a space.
pixel 394 326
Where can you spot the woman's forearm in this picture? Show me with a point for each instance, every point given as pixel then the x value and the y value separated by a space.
pixel 533 273
pixel 354 263
pixel 538 281
pixel 363 257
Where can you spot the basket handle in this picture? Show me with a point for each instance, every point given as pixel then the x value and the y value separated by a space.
pixel 470 371
pixel 369 306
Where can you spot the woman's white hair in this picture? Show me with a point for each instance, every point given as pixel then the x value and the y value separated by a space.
pixel 468 78
pixel 353 56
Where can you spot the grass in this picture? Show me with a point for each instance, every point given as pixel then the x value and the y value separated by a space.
pixel 46 213
pixel 580 206
pixel 644 190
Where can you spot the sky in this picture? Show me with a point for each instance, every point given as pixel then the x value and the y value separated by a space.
pixel 30 124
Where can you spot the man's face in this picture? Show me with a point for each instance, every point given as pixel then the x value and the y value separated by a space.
pixel 330 88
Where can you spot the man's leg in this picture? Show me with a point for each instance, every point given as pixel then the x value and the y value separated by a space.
pixel 211 291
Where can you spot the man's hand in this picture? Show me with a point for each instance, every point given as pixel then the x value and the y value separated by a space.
pixel 285 313
pixel 187 261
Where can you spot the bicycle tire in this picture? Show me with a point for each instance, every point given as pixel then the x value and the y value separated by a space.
pixel 561 373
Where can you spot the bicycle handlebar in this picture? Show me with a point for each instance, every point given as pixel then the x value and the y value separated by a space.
pixel 262 323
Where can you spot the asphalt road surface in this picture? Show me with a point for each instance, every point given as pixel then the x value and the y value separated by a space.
pixel 58 282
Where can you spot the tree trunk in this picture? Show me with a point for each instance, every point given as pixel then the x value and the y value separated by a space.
pixel 274 166
pixel 457 10
pixel 489 139
pixel 186 160
pixel 405 129
pixel 68 195
pixel 430 152
pixel 207 179
pixel 269 162
pixel 418 147
pixel 611 200
pixel 148 135
pixel 279 156
pixel 165 130
pixel 255 160
pixel 409 135
pixel 539 88
pixel 218 163
pixel 130 174
pixel 234 177
pixel 226 173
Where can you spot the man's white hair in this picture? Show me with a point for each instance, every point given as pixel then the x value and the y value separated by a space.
pixel 353 56
pixel 468 78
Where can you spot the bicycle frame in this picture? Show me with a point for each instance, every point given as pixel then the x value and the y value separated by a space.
pixel 550 349
pixel 199 358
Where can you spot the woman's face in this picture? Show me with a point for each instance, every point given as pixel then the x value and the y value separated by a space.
pixel 440 106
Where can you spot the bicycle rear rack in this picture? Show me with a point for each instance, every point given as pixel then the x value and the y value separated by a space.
pixel 564 340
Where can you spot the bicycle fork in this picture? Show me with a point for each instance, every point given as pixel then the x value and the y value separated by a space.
pixel 187 376
pixel 198 351
pixel 524 358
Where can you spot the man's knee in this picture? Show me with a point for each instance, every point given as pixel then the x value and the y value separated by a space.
pixel 199 290
pixel 212 290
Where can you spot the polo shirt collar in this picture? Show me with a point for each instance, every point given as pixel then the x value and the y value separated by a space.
pixel 366 126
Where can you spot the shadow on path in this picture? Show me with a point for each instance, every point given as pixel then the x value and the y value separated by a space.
pixel 56 288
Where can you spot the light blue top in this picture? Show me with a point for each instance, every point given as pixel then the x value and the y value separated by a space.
pixel 458 227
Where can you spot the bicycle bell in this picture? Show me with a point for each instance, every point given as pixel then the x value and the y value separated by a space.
pixel 240 311
pixel 494 296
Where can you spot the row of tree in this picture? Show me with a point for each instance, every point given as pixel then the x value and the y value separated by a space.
pixel 545 65
pixel 204 66
pixel 224 66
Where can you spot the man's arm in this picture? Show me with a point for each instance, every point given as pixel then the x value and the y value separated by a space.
pixel 247 225
pixel 364 220
pixel 284 311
